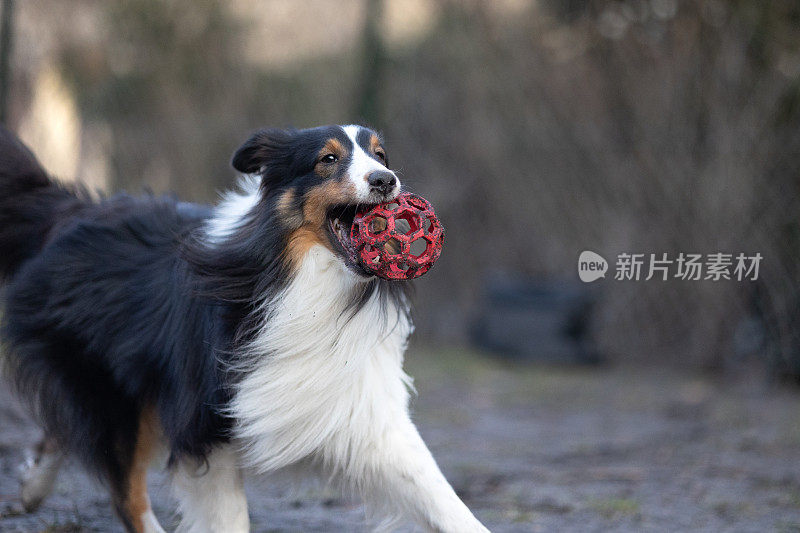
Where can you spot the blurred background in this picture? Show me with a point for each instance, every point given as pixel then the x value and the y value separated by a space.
pixel 538 129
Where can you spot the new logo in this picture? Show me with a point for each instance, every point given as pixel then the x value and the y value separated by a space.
pixel 591 266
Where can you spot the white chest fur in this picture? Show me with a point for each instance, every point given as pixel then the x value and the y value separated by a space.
pixel 320 378
pixel 326 386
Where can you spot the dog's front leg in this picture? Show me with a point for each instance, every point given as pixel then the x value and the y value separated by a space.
pixel 210 494
pixel 400 474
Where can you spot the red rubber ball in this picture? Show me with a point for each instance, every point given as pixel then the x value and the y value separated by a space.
pixel 398 240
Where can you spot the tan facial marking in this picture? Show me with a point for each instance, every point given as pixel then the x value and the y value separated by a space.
pixel 288 210
pixel 321 197
pixel 374 143
pixel 300 242
pixel 137 502
pixel 315 210
pixel 332 146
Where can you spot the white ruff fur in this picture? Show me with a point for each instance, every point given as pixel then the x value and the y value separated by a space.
pixel 231 210
pixel 328 387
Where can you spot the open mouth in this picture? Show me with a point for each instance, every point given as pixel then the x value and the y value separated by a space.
pixel 394 240
pixel 340 223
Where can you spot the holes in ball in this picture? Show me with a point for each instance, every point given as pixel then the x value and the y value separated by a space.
pixel 391 206
pixel 402 225
pixel 406 221
pixel 377 225
pixel 418 247
pixel 392 246
pixel 426 224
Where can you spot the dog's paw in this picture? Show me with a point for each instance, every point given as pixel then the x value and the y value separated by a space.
pixel 37 477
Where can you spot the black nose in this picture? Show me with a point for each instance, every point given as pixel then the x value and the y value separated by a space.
pixel 381 181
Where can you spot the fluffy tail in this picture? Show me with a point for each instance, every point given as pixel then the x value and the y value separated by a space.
pixel 31 204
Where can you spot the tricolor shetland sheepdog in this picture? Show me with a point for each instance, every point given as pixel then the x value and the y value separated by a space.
pixel 235 336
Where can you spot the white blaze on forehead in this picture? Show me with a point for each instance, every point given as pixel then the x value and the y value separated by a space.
pixel 362 164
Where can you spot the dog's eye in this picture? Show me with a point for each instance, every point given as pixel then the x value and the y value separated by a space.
pixel 381 155
pixel 329 159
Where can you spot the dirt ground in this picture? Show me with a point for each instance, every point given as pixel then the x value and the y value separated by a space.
pixel 531 449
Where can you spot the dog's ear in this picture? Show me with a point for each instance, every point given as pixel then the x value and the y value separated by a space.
pixel 266 152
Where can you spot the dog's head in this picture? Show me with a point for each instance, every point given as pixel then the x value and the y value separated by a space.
pixel 318 177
